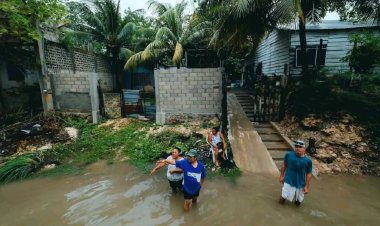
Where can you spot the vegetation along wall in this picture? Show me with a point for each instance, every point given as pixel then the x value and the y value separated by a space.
pixel 70 72
pixel 192 91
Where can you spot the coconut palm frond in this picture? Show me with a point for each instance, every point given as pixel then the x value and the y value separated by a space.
pixel 198 35
pixel 284 12
pixel 94 31
pixel 125 53
pixel 164 34
pixel 178 53
pixel 133 61
pixel 126 31
pixel 242 7
pixel 180 7
pixel 95 24
pixel 148 55
pixel 198 32
pixel 157 7
pixel 171 20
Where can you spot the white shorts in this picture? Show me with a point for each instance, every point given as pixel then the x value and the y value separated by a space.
pixel 289 193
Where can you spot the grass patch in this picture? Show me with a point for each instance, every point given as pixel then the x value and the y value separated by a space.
pixel 101 143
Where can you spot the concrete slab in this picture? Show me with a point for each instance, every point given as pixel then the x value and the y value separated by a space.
pixel 271 137
pixel 280 145
pixel 250 153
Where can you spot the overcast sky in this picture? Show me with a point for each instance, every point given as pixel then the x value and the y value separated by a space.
pixel 142 4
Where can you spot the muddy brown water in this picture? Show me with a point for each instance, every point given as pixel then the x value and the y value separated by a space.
pixel 121 195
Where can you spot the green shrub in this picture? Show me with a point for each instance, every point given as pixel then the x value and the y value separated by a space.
pixel 365 53
pixel 19 168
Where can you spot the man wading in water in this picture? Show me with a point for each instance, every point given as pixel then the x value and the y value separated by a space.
pixel 173 173
pixel 194 174
pixel 297 169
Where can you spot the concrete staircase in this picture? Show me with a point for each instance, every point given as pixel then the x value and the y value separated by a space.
pixel 276 144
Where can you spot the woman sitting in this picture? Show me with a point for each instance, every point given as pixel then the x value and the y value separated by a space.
pixel 216 140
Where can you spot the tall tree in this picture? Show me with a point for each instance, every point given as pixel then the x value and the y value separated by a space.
pixel 18 25
pixel 357 9
pixel 313 11
pixel 20 21
pixel 244 23
pixel 103 21
pixel 174 33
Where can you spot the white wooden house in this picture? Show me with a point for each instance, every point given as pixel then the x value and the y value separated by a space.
pixel 279 51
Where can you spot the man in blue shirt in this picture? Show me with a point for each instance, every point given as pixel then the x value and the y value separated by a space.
pixel 295 174
pixel 194 174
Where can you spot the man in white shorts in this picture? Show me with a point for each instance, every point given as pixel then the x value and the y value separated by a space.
pixel 295 174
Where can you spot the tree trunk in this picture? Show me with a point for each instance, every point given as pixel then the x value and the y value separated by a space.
pixel 115 69
pixel 224 103
pixel 2 102
pixel 303 57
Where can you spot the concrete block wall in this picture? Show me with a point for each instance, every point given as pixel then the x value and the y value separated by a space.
pixel 193 91
pixel 70 74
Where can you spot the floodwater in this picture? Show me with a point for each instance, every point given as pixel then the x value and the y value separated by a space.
pixel 120 195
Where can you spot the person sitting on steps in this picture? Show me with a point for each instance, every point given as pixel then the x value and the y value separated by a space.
pixel 216 140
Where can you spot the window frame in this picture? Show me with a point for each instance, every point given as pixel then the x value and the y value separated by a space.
pixel 314 47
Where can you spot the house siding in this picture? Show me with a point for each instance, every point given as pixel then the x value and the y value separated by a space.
pixel 273 53
pixel 279 48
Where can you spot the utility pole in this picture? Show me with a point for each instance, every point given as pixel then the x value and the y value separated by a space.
pixel 44 79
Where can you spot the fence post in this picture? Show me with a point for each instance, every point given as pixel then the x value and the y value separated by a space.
pixel 160 116
pixel 94 97
pixel 224 103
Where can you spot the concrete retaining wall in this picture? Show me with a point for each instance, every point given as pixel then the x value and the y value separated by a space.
pixel 70 73
pixel 193 91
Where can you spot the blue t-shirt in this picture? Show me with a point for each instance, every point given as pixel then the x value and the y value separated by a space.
pixel 191 176
pixel 296 169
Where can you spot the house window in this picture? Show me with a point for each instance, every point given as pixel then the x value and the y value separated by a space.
pixel 14 73
pixel 314 57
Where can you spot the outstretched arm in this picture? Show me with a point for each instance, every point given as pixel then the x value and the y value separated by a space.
pixel 167 161
pixel 158 166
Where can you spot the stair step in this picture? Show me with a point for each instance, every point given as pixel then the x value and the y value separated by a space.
pixel 278 155
pixel 273 145
pixel 270 137
pixel 262 125
pixel 266 131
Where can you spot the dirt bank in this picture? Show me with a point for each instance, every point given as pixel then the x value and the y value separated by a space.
pixel 343 146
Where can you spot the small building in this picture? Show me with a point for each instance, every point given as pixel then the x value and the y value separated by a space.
pixel 279 53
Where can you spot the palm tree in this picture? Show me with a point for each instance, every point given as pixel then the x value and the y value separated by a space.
pixel 313 11
pixel 244 23
pixel 173 35
pixel 102 20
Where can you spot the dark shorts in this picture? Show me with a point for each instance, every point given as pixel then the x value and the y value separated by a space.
pixel 190 196
pixel 175 184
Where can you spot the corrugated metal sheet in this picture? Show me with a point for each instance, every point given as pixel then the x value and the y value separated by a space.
pixel 331 25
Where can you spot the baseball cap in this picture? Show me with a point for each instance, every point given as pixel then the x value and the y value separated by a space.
pixel 192 153
pixel 299 143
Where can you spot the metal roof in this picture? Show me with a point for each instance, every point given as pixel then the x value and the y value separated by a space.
pixel 332 25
